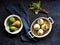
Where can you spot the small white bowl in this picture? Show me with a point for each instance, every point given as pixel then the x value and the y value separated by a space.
pixel 7 27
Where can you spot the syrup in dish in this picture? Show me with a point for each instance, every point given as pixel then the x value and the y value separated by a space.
pixel 40 27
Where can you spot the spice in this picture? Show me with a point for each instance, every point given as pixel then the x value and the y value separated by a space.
pixel 43 10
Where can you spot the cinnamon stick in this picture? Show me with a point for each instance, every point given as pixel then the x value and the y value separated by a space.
pixel 43 10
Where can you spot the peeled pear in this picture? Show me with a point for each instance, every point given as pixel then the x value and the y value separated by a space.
pixel 40 21
pixel 16 23
pixel 44 27
pixel 36 27
pixel 40 32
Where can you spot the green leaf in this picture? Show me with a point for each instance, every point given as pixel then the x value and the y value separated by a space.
pixel 35 6
pixel 31 8
pixel 38 5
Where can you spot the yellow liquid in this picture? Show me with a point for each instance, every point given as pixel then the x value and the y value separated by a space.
pixel 45 22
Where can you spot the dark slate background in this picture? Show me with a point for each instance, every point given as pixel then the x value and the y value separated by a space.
pixel 53 7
